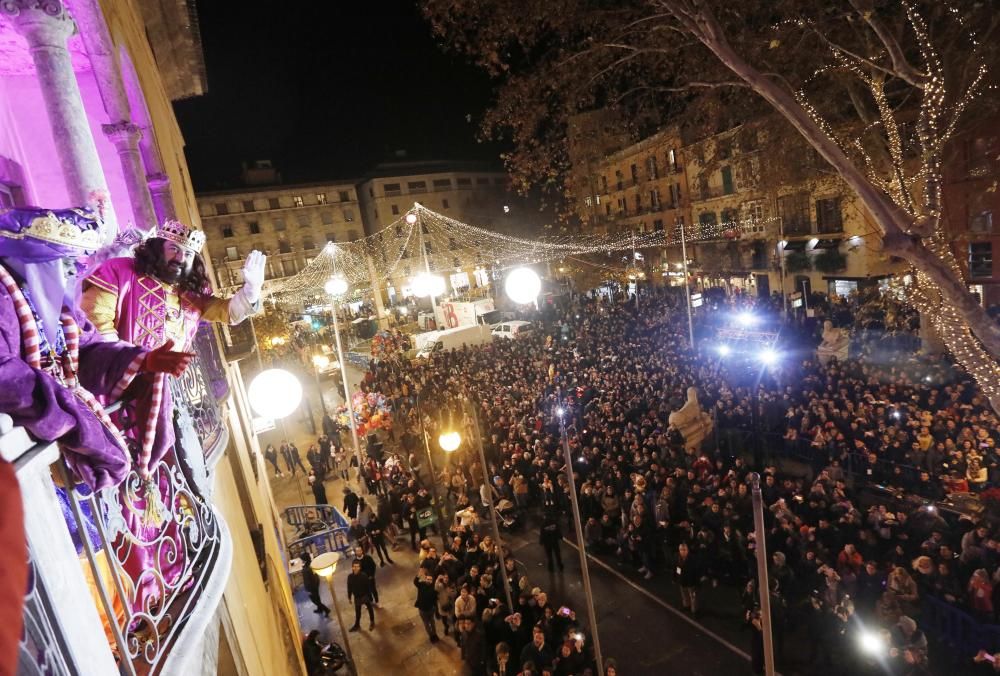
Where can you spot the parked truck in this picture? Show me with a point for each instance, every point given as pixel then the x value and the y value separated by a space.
pixel 447 339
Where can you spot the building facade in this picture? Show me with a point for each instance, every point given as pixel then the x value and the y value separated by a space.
pixel 86 90
pixel 970 200
pixel 290 223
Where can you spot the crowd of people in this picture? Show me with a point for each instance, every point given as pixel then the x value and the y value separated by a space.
pixel 837 550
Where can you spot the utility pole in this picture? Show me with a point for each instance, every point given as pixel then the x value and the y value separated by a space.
pixel 763 585
pixel 687 284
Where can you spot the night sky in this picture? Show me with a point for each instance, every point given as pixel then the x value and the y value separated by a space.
pixel 327 90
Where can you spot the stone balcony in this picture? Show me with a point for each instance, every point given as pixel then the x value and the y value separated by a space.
pixel 90 609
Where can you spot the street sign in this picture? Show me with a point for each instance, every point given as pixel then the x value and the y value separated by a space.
pixel 696 300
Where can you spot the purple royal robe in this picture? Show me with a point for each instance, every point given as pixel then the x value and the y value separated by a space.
pixel 51 412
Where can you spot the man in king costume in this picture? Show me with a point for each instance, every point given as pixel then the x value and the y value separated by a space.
pixel 158 299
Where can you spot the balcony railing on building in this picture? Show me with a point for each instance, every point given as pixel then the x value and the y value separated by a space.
pixel 147 579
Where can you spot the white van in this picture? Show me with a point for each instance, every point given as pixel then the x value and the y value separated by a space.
pixel 514 329
pixel 447 339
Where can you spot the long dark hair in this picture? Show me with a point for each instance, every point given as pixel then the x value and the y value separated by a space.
pixel 149 260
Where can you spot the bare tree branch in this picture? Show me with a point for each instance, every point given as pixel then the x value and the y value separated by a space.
pixel 900 66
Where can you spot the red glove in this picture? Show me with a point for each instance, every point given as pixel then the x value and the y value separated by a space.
pixel 164 360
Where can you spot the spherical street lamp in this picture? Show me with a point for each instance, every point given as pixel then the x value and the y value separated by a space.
pixel 523 285
pixel 336 286
pixel 411 218
pixel 275 393
pixel 424 285
pixel 450 441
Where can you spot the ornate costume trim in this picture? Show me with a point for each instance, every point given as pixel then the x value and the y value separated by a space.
pixel 51 228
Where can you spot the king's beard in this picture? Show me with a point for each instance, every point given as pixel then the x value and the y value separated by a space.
pixel 170 272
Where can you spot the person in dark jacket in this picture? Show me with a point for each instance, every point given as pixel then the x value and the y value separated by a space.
pixel 368 568
pixel 550 537
pixel 473 648
pixel 688 574
pixel 351 502
pixel 538 651
pixel 360 589
pixel 426 602
pixel 312 651
pixel 319 490
pixel 310 580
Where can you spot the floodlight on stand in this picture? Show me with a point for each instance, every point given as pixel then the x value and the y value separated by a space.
pixel 275 393
pixel 768 356
pixel 746 319
pixel 336 286
pixel 450 441
pixel 523 285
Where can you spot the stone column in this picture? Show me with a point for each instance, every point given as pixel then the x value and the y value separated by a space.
pixel 163 201
pixel 46 26
pixel 125 137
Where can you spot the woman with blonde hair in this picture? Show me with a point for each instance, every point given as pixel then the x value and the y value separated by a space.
pixel 905 588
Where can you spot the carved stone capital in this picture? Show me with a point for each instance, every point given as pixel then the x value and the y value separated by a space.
pixel 123 134
pixel 42 22
pixel 158 182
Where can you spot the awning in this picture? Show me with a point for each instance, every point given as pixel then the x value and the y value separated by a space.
pixel 795 245
pixel 827 244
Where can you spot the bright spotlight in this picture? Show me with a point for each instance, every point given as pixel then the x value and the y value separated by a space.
pixel 723 350
pixel 336 286
pixel 559 411
pixel 746 319
pixel 871 643
pixel 768 356
pixel 897 415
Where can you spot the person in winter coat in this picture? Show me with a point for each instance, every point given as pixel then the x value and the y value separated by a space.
pixel 688 574
pixel 426 602
pixel 361 590
pixel 550 537
pixel 445 588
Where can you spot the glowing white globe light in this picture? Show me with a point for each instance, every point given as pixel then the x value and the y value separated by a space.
pixel 449 441
pixel 424 285
pixel 411 218
pixel 523 285
pixel 724 350
pixel 768 356
pixel 275 393
pixel 336 286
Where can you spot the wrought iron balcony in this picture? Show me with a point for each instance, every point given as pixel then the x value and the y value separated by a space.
pixel 125 580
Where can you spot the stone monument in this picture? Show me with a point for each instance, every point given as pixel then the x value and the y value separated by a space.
pixel 835 344
pixel 692 422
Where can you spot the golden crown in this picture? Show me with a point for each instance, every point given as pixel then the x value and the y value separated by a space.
pixel 76 228
pixel 178 233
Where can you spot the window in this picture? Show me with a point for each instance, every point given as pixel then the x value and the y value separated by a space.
pixel 352 235
pixel 658 225
pixel 331 237
pixel 273 203
pixel 728 216
pixel 395 209
pixel 707 218
pixel 303 220
pixel 622 206
pixel 675 195
pixel 254 227
pixel 344 196
pixel 619 179
pixel 308 243
pixel 284 247
pixel 482 181
pixel 348 215
pixel 321 198
pixel 392 190
pixel 638 203
pixel 652 168
pixel 499 180
pixel 279 224
pixel 753 214
pixel 634 171
pixel 828 215
pixel 232 253
pixel 981 222
pixel 465 182
pixel 672 160
pixel 326 217
pixel 604 184
pixel 654 199
pixel 727 180
pixel 445 205
pixel 416 186
pixel 227 231
pixel 793 210
pixel 297 200
pixel 221 209
pixel 248 205
pixel 440 183
pixel 980 259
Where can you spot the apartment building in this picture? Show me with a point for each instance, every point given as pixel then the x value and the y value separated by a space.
pixel 970 200
pixel 290 223
pixel 470 192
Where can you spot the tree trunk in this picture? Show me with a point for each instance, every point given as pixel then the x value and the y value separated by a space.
pixel 892 220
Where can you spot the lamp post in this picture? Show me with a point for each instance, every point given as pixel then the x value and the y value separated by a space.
pixel 580 544
pixel 489 498
pixel 438 507
pixel 687 282
pixel 325 565
pixel 337 286
pixel 763 585
pixel 320 361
